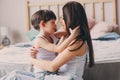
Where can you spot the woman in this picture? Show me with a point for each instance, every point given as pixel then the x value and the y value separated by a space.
pixel 74 56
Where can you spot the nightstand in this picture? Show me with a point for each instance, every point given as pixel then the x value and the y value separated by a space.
pixel 1 46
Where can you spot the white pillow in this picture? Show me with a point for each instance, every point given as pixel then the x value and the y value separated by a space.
pixel 101 28
pixel 91 23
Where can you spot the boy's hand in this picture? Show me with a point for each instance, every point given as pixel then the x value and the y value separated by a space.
pixel 33 51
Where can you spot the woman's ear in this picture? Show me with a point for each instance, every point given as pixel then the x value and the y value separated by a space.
pixel 42 23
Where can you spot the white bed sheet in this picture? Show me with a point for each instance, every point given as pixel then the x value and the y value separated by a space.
pixel 14 58
pixel 16 55
pixel 106 51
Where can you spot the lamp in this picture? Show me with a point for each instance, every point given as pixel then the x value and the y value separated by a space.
pixel 4 33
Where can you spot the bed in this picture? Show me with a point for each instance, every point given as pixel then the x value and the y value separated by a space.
pixel 107 57
pixel 107 60
pixel 15 57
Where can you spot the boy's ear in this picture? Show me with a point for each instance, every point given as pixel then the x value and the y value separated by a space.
pixel 42 23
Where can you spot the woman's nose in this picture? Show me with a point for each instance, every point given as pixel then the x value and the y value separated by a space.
pixel 60 21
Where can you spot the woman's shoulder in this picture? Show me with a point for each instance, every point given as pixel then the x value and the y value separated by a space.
pixel 78 47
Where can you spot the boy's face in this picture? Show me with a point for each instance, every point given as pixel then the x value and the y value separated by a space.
pixel 50 26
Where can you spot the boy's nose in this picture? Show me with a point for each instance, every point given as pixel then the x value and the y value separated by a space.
pixel 55 27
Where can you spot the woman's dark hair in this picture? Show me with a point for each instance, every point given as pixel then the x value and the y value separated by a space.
pixel 44 15
pixel 74 15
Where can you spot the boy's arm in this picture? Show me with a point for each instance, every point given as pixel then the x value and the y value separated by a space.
pixel 60 34
pixel 57 48
pixel 60 40
pixel 52 47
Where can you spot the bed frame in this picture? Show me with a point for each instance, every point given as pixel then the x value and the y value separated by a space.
pixel 102 71
pixel 83 2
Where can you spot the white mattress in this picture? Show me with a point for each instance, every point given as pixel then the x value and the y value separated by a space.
pixel 103 50
pixel 106 51
pixel 14 58
pixel 16 55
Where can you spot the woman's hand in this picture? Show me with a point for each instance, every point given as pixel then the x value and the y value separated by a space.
pixel 75 32
pixel 33 51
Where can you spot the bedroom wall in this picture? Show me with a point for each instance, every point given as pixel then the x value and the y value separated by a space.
pixel 118 13
pixel 12 15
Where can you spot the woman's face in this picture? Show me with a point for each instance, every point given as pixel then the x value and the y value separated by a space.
pixel 62 22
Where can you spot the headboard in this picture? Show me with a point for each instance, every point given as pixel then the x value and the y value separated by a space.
pixel 91 4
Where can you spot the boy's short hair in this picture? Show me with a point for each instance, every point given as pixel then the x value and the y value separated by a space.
pixel 44 15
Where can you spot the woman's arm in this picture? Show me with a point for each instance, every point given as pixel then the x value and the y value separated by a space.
pixel 56 48
pixel 60 60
